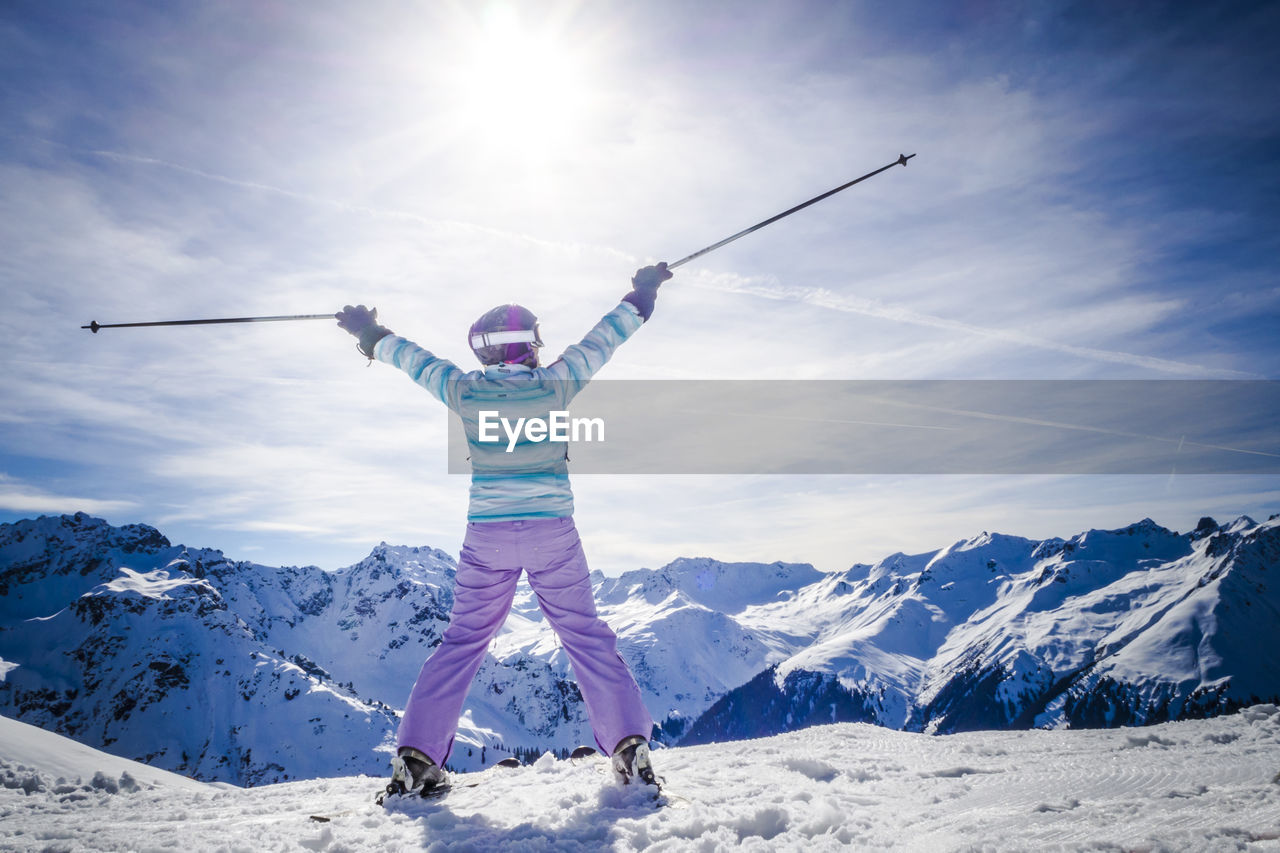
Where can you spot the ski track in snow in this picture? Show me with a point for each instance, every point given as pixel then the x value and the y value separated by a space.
pixel 1200 785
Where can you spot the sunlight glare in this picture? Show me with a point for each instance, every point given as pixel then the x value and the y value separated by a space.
pixel 520 88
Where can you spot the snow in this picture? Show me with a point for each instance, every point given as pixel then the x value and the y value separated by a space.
pixel 52 756
pixel 1197 785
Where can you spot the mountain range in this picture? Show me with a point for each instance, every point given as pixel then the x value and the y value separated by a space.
pixel 232 671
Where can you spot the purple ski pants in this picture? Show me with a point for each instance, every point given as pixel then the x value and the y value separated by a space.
pixel 493 556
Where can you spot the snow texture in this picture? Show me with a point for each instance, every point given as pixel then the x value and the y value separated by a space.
pixel 1195 785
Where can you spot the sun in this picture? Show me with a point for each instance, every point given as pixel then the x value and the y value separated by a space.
pixel 519 86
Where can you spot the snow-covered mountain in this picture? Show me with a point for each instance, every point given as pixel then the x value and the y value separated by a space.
pixel 1124 627
pixel 168 655
pixel 239 672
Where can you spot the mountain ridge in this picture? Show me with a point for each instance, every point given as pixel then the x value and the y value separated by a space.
pixel 234 671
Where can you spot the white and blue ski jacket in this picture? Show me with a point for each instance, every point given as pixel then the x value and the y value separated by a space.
pixel 531 481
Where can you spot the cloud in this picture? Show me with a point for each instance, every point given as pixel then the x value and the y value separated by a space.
pixel 452 227
pixel 823 298
pixel 17 496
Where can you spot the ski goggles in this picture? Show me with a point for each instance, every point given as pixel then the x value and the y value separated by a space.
pixel 515 336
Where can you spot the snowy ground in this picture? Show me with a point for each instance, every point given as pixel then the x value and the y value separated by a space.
pixel 1204 785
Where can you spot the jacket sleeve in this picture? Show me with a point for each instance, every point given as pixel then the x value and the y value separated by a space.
pixel 580 362
pixel 438 375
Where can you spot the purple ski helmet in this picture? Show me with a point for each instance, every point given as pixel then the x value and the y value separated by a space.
pixel 506 334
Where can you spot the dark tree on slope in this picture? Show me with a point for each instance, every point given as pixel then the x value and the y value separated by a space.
pixel 969 702
pixel 1110 703
pixel 760 708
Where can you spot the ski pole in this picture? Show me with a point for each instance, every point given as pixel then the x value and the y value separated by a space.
pixel 901 161
pixel 95 325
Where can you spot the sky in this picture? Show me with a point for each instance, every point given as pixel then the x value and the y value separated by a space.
pixel 1096 195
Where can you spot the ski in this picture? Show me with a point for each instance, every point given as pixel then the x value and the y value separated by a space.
pixel 660 797
pixel 440 791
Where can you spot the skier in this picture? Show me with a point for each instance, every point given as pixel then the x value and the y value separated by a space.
pixel 520 518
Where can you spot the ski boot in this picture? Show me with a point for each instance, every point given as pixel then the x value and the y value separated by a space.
pixel 631 760
pixel 413 772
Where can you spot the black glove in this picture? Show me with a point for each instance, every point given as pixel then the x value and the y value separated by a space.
pixel 363 323
pixel 645 284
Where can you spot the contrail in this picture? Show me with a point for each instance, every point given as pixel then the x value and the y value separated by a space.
pixel 309 198
pixel 823 298
pixel 757 416
pixel 1181 441
pixel 819 297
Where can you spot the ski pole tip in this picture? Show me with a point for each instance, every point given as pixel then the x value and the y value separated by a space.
pixel 93 326
pixel 903 158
